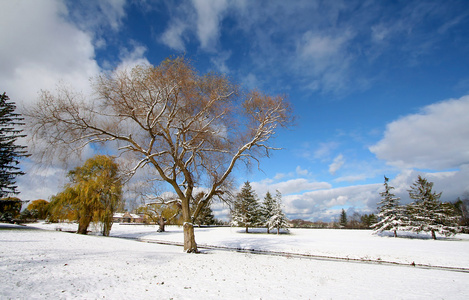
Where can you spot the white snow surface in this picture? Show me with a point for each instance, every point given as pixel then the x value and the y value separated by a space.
pixel 50 264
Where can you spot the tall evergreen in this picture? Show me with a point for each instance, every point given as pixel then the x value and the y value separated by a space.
pixel 390 213
pixel 343 219
pixel 246 211
pixel 427 213
pixel 268 208
pixel 10 152
pixel 278 219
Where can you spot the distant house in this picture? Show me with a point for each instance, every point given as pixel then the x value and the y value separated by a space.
pixel 127 218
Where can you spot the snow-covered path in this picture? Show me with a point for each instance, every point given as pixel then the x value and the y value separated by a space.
pixel 38 264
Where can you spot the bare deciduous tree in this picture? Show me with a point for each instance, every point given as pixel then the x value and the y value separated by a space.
pixel 192 129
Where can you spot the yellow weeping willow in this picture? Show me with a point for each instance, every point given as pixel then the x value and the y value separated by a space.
pixel 94 194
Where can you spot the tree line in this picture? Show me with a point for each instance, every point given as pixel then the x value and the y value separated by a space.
pixel 425 214
pixel 247 212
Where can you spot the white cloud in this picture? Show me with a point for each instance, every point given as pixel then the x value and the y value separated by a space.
pixel 336 164
pixel 209 15
pixel 42 49
pixel 301 172
pixel 437 138
pixel 219 61
pixel 96 16
pixel 324 150
pixel 321 203
pixel 43 45
pixel 317 205
pixel 292 186
pixel 351 178
pixel 205 24
pixel 321 50
pixel 133 57
pixel 173 36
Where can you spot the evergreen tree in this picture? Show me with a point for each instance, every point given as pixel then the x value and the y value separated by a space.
pixel 278 219
pixel 343 219
pixel 368 220
pixel 427 213
pixel 205 216
pixel 268 208
pixel 390 214
pixel 246 212
pixel 10 152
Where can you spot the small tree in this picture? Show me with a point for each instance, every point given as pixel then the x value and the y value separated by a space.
pixel 267 209
pixel 41 206
pixel 427 213
pixel 246 212
pixel 10 152
pixel 95 193
pixel 278 219
pixel 161 213
pixel 461 207
pixel 368 220
pixel 343 219
pixel 10 208
pixel 390 214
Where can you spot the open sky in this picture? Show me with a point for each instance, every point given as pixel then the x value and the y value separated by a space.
pixel 379 87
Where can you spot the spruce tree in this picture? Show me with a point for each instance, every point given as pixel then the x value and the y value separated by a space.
pixel 278 219
pixel 343 219
pixel 390 214
pixel 205 216
pixel 246 212
pixel 427 213
pixel 10 152
pixel 268 209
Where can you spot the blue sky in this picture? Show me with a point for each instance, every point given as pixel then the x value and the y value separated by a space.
pixel 378 87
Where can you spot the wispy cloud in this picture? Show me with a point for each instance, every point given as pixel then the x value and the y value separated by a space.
pixel 209 16
pixel 338 162
pixel 173 36
pixel 205 24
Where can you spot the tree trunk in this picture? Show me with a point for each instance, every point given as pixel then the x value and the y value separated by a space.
pixel 190 245
pixel 161 223
pixel 278 230
pixel 395 233
pixel 106 228
pixel 83 224
pixel 107 224
pixel 433 234
pixel 247 231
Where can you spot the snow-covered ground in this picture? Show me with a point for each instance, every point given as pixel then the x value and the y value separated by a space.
pixel 39 264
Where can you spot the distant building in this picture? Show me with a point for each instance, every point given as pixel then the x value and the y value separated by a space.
pixel 127 218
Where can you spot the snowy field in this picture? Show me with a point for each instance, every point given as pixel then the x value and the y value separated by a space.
pixel 49 264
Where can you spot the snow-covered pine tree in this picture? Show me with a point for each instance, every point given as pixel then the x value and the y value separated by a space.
pixel 390 214
pixel 246 212
pixel 278 219
pixel 268 208
pixel 427 213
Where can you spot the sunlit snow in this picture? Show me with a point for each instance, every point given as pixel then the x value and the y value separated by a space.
pixel 52 264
